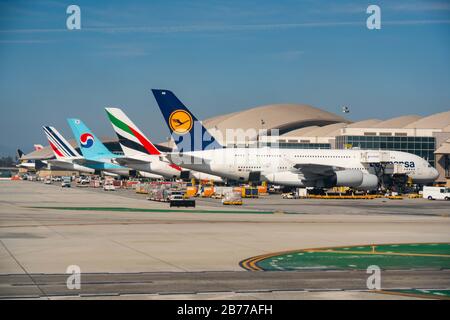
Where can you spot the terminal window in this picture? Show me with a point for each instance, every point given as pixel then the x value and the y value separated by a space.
pixel 422 146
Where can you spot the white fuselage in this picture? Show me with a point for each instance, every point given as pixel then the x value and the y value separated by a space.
pixel 238 163
pixel 27 165
pixel 154 164
pixel 69 165
pixel 158 164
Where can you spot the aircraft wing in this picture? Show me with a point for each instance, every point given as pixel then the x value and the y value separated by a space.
pixel 313 169
pixel 180 159
pixel 124 161
pixel 86 162
pixel 56 162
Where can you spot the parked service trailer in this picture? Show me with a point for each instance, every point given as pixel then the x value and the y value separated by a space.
pixel 232 198
pixel 220 192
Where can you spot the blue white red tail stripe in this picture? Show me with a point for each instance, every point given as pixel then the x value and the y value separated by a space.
pixel 61 147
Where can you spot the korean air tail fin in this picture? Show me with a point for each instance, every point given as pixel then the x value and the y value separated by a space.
pixel 188 133
pixel 91 147
pixel 61 148
pixel 131 139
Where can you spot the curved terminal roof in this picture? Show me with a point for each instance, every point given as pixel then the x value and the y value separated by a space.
pixel 330 130
pixel 364 123
pixel 300 132
pixel 212 122
pixel 285 117
pixel 397 122
pixel 435 121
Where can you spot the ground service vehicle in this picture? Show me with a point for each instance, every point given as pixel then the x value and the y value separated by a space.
pixel 66 182
pixel 177 199
pixel 436 193
pixel 109 186
pixel 232 198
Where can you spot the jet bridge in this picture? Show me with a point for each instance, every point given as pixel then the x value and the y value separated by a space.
pixel 388 172
pixel 375 157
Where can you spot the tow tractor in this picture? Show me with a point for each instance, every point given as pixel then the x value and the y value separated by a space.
pixel 177 199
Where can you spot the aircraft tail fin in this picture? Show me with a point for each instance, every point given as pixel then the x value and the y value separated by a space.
pixel 19 153
pixel 62 149
pixel 188 133
pixel 91 147
pixel 38 165
pixel 131 139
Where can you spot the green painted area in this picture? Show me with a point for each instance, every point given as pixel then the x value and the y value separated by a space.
pixel 422 248
pixel 402 256
pixel 431 293
pixel 124 209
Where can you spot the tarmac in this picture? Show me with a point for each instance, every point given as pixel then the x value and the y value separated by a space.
pixel 38 244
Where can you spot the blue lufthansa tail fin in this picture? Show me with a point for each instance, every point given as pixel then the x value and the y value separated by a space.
pixel 188 133
pixel 91 147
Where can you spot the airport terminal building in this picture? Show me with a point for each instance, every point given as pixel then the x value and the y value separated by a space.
pixel 306 127
pixel 303 126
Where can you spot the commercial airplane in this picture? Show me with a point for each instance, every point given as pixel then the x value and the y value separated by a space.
pixel 29 164
pixel 199 150
pixel 66 155
pixel 95 154
pixel 141 154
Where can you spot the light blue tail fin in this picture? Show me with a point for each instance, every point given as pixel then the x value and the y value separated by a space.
pixel 188 133
pixel 91 147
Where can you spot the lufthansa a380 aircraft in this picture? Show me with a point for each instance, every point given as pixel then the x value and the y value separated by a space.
pixel 200 151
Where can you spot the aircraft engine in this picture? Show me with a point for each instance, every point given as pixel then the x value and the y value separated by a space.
pixel 285 178
pixel 346 178
pixel 370 182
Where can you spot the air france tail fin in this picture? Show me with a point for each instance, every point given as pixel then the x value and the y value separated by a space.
pixel 131 139
pixel 188 133
pixel 61 148
pixel 91 147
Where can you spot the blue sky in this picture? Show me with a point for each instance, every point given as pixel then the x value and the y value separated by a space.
pixel 218 57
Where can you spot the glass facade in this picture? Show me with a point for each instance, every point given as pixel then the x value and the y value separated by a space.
pixel 422 146
pixel 295 145
pixel 285 145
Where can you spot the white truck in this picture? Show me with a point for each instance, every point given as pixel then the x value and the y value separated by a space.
pixel 66 182
pixel 109 186
pixel 436 193
pixel 177 199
